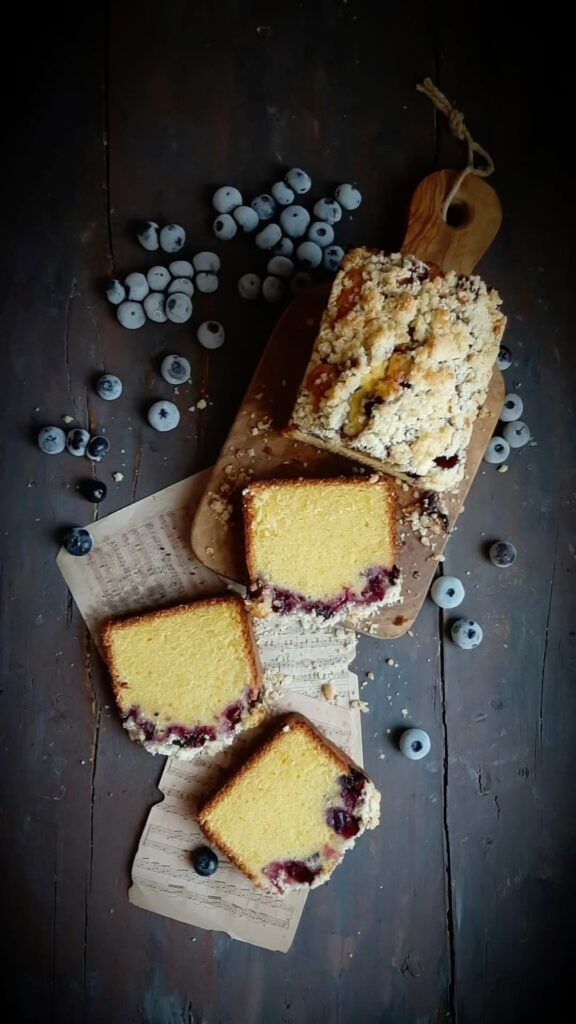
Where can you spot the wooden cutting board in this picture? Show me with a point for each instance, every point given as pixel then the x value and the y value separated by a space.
pixel 255 448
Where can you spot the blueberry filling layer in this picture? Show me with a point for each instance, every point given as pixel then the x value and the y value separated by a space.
pixel 282 873
pixel 447 461
pixel 343 823
pixel 378 582
pixel 183 736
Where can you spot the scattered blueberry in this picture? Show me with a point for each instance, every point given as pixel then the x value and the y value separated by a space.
pixel 131 315
pixel 504 360
pixel 137 287
pixel 300 282
pixel 517 434
pixel 155 307
pixel 208 262
pixel 348 197
pixel 328 210
pixel 282 193
pixel 280 266
pixel 147 235
pixel 226 199
pixel 77 441
pixel 211 334
pixel 178 308
pixel 285 247
pixel 97 447
pixel 181 268
pixel 333 256
pixel 115 292
pixel 264 206
pixel 172 238
pixel 299 181
pixel 204 861
pixel 502 554
pixel 163 416
pixel 175 369
pixel 309 254
pixel 225 227
pixel 414 744
pixel 497 451
pixel 158 278
pixel 109 387
pixel 321 233
pixel 466 634
pixel 447 592
pixel 206 282
pixel 51 440
pixel 78 541
pixel 512 409
pixel 183 285
pixel 249 286
pixel 93 490
pixel 294 220
pixel 246 218
pixel 273 289
pixel 268 237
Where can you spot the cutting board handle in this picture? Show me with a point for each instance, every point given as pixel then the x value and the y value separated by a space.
pixel 474 218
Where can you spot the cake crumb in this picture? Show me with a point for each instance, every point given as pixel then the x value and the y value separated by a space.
pixel 370 675
pixel 68 419
pixel 285 728
pixel 209 551
pixel 404 712
pixel 389 661
pixel 117 477
pixel 328 691
pixel 201 403
pixel 360 705
pixel 503 469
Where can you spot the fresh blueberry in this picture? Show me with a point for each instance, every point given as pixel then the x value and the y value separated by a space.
pixel 175 369
pixel 512 409
pixel 97 447
pixel 137 287
pixel 309 254
pixel 282 193
pixel 178 308
pixel 268 237
pixel 93 490
pixel 502 554
pixel 348 197
pixel 115 292
pixel 226 199
pixel 211 334
pixel 147 235
pixel 294 221
pixel 206 282
pixel 264 206
pixel 414 744
pixel 208 262
pixel 246 218
pixel 504 360
pixel 109 387
pixel 181 268
pixel 447 592
pixel 131 315
pixel 77 441
pixel 204 861
pixel 225 227
pixel 466 634
pixel 497 451
pixel 183 285
pixel 51 440
pixel 155 307
pixel 78 541
pixel 285 247
pixel 300 282
pixel 280 266
pixel 333 257
pixel 328 210
pixel 172 238
pixel 158 278
pixel 321 233
pixel 517 434
pixel 249 286
pixel 273 289
pixel 163 416
pixel 299 181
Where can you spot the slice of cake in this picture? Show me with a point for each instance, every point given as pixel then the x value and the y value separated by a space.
pixel 401 367
pixel 326 547
pixel 287 816
pixel 185 679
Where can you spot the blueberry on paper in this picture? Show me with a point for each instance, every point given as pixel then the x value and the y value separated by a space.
pixel 78 541
pixel 204 861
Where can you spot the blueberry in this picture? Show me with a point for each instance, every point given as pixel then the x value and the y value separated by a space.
pixel 147 235
pixel 158 278
pixel 348 197
pixel 226 199
pixel 175 369
pixel 309 254
pixel 517 434
pixel 512 409
pixel 273 289
pixel 183 285
pixel 414 744
pixel 294 220
pixel 77 441
pixel 97 447
pixel 333 256
pixel 163 416
pixel 299 181
pixel 249 286
pixel 497 451
pixel 155 307
pixel 51 440
pixel 300 282
pixel 502 554
pixel 115 292
pixel 447 592
pixel 211 334
pixel 285 247
pixel 172 238
pixel 131 315
pixel 181 268
pixel 264 206
pixel 225 227
pixel 209 262
pixel 246 218
pixel 178 308
pixel 504 360
pixel 268 237
pixel 93 490
pixel 321 233
pixel 466 634
pixel 280 266
pixel 137 287
pixel 78 541
pixel 282 193
pixel 206 282
pixel 204 861
pixel 109 387
pixel 328 210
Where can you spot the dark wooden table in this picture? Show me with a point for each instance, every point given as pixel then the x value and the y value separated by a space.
pixel 460 907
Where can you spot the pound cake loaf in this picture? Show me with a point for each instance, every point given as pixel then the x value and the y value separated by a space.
pixel 186 679
pixel 326 547
pixel 400 367
pixel 287 817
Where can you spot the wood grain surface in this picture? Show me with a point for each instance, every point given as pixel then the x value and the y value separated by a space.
pixel 460 906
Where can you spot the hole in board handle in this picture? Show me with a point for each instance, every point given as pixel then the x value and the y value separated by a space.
pixel 458 214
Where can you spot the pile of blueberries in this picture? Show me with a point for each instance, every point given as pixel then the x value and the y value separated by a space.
pixel 515 433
